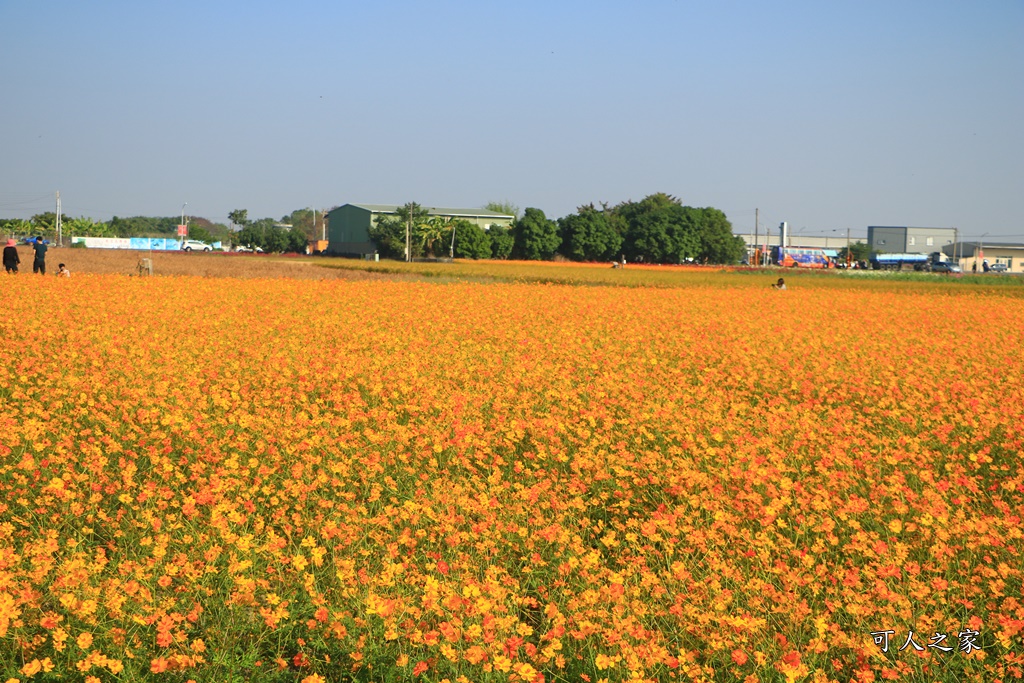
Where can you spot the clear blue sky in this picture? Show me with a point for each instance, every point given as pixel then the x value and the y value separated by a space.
pixel 825 114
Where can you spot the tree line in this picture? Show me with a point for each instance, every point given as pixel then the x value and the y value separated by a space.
pixel 657 229
pixel 267 234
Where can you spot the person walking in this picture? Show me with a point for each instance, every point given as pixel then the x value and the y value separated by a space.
pixel 39 262
pixel 11 258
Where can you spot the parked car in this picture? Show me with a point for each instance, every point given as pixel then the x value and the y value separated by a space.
pixel 998 268
pixel 195 245
pixel 946 268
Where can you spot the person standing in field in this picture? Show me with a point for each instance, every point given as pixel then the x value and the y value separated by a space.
pixel 62 271
pixel 781 284
pixel 11 258
pixel 39 262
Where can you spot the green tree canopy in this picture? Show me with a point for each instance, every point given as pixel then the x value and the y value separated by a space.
pixel 198 232
pixel 388 231
pixel 87 227
pixel 657 230
pixel 660 229
pixel 471 241
pixel 717 243
pixel 859 251
pixel 303 221
pixel 588 235
pixel 536 237
pixel 47 221
pixel 506 207
pixel 502 242
pixel 239 217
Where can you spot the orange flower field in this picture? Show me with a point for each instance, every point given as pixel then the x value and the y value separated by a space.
pixel 272 480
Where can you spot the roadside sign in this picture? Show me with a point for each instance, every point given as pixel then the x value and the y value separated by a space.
pixel 182 231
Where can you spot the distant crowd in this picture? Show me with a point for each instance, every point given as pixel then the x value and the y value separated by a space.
pixel 39 246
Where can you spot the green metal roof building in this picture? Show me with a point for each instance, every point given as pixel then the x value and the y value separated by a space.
pixel 348 226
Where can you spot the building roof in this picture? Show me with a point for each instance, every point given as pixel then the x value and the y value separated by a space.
pixel 993 245
pixel 436 211
pixel 968 249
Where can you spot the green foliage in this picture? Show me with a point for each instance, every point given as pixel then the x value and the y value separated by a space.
pixel 388 232
pixel 717 243
pixel 239 217
pixel 46 223
pixel 430 234
pixel 15 226
pixel 302 220
pixel 270 237
pixel 197 232
pixel 471 241
pixel 659 229
pixel 859 251
pixel 536 237
pixel 217 231
pixel 297 242
pixel 506 207
pixel 502 242
pixel 87 227
pixel 588 235
pixel 144 226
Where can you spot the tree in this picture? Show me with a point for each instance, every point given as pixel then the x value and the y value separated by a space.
pixel 303 221
pixel 506 207
pixel 859 251
pixel 198 232
pixel 717 243
pixel 388 231
pixel 536 237
pixel 297 242
pixel 431 235
pixel 657 230
pixel 588 235
pixel 87 227
pixel 471 241
pixel 502 241
pixel 660 229
pixel 15 226
pixel 47 221
pixel 239 217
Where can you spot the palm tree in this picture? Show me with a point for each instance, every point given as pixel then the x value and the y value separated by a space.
pixel 433 231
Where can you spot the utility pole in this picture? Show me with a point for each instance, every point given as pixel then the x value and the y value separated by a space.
pixel 183 222
pixel 408 231
pixel 849 258
pixel 60 234
pixel 757 214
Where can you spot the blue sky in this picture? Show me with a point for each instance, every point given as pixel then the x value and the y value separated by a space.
pixel 827 115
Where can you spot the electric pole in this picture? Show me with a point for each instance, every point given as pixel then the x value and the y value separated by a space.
pixel 757 213
pixel 60 236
